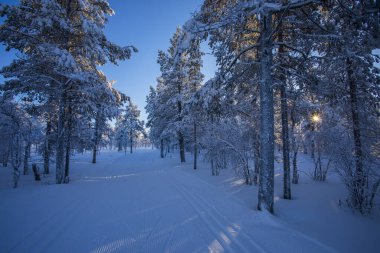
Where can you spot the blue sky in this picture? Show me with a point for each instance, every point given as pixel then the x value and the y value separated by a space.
pixel 147 25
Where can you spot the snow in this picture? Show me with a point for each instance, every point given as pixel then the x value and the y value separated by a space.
pixel 141 203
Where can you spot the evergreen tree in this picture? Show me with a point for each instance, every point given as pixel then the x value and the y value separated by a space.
pixel 128 127
pixel 62 43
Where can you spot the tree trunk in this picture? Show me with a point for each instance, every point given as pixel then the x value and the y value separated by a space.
pixel 285 142
pixel 266 184
pixel 295 177
pixel 96 138
pixel 68 144
pixel 26 157
pixel 181 141
pixel 195 146
pixel 162 148
pixel 180 134
pixel 284 125
pixel 60 143
pixel 312 151
pixel 130 141
pixel 94 152
pixel 6 156
pixel 66 114
pixel 256 157
pixel 47 146
pixel 16 158
pixel 212 167
pixel 358 197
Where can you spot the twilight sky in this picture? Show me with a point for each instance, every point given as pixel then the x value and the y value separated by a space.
pixel 147 25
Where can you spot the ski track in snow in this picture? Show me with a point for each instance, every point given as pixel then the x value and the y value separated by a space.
pixel 140 203
pixel 217 224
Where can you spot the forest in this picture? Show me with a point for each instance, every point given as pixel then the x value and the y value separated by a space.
pixel 293 77
pixel 277 151
pixel 298 77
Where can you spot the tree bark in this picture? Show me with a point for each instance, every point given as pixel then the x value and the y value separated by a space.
pixel 294 149
pixel 16 158
pixel 162 148
pixel 68 144
pixel 47 146
pixel 181 141
pixel 195 146
pixel 26 157
pixel 6 156
pixel 359 177
pixel 60 161
pixel 96 138
pixel 284 125
pixel 180 134
pixel 256 157
pixel 60 142
pixel 130 141
pixel 285 142
pixel 266 184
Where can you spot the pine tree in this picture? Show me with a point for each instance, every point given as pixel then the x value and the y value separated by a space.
pixel 128 127
pixel 62 45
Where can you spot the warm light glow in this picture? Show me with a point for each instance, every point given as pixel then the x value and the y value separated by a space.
pixel 316 118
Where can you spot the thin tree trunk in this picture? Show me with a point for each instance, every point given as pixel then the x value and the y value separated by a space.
pixel 284 124
pixel 256 157
pixel 295 177
pixel 26 158
pixel 285 142
pixel 47 146
pixel 181 147
pixel 161 147
pixel 96 138
pixel 16 159
pixel 131 141
pixel 60 153
pixel 359 178
pixel 6 155
pixel 180 134
pixel 60 142
pixel 195 146
pixel 266 184
pixel 312 155
pixel 68 145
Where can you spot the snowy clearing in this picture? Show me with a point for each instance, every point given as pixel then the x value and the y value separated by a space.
pixel 141 203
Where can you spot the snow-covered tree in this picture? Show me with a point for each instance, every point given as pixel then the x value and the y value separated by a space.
pixel 128 127
pixel 62 43
pixel 243 36
pixel 346 59
pixel 104 112
pixel 19 131
pixel 192 106
pixel 170 116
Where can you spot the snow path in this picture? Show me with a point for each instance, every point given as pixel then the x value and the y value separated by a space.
pixel 137 203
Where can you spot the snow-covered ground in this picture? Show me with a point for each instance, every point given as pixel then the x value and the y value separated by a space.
pixel 141 203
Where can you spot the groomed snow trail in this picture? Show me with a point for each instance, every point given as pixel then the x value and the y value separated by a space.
pixel 137 203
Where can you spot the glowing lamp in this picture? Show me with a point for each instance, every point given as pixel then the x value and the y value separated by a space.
pixel 316 118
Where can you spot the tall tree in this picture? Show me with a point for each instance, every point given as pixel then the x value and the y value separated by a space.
pixel 192 109
pixel 347 59
pixel 180 77
pixel 242 31
pixel 129 126
pixel 64 40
